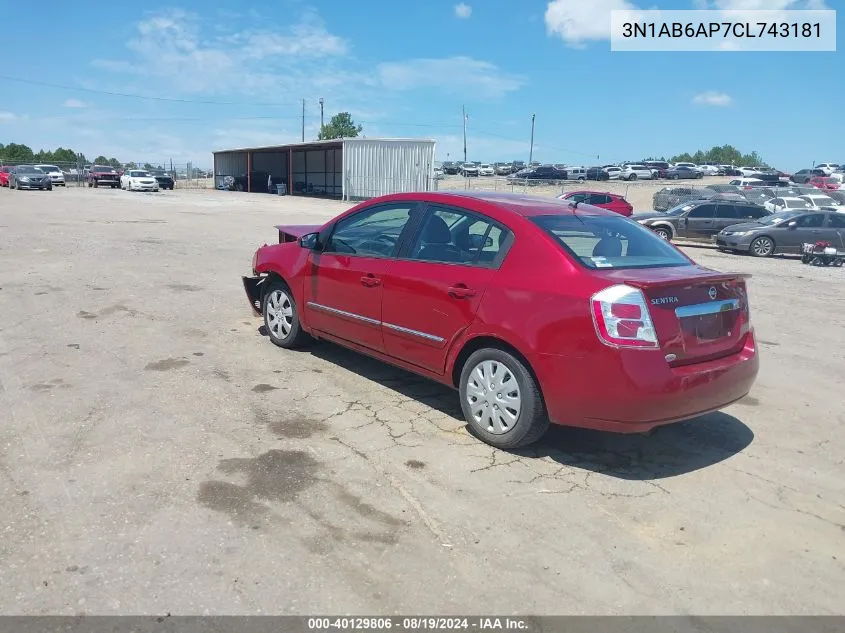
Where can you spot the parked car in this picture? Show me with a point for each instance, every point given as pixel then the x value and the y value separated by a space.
pixel 596 173
pixel 658 167
pixel 749 172
pixel 541 172
pixel 821 202
pixel 503 169
pixel 138 180
pixel 670 197
pixel 57 176
pixel 165 180
pixel 825 183
pixel 828 168
pixel 469 169
pixel 635 172
pixel 436 284
pixel 576 173
pixel 700 219
pixel 838 196
pixel 776 205
pixel 747 183
pixel 486 169
pixel 5 170
pixel 709 170
pixel 682 164
pixel 450 168
pixel 613 172
pixel 803 176
pixel 680 171
pixel 730 170
pixel 103 176
pixel 29 177
pixel 784 232
pixel 602 199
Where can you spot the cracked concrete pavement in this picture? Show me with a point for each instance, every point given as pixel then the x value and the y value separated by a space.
pixel 158 454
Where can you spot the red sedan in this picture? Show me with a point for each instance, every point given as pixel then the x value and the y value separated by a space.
pixel 535 310
pixel 4 175
pixel 601 199
pixel 825 183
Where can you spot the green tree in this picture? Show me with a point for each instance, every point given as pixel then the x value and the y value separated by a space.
pixel 101 160
pixel 720 155
pixel 130 166
pixel 16 153
pixel 341 125
pixel 113 162
pixel 147 166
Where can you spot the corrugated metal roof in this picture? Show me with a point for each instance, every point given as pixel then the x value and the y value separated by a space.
pixel 330 142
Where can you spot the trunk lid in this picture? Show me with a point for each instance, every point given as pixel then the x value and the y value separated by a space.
pixel 698 314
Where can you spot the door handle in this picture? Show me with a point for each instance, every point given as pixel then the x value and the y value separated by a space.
pixel 460 291
pixel 370 281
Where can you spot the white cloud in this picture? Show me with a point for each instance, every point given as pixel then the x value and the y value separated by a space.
pixel 74 103
pixel 712 98
pixel 762 5
pixel 462 75
pixel 463 11
pixel 579 21
pixel 8 116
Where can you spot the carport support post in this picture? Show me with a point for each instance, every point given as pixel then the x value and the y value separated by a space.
pixel 531 151
pixel 249 172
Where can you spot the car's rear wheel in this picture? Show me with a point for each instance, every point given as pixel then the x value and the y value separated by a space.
pixel 281 317
pixel 663 232
pixel 762 247
pixel 632 177
pixel 501 400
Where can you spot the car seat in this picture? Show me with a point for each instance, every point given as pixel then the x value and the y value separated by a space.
pixel 608 247
pixel 435 242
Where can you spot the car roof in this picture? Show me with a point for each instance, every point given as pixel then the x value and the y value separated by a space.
pixel 513 203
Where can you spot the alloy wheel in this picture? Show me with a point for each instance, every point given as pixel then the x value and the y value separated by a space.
pixel 279 314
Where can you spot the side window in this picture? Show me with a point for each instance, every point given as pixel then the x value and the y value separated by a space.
pixel 598 198
pixel 372 232
pixel 726 211
pixel 810 221
pixel 704 211
pixel 470 240
pixel 836 221
pixel 578 197
pixel 751 212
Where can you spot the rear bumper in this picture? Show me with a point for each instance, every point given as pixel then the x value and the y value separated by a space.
pixel 633 391
pixel 252 287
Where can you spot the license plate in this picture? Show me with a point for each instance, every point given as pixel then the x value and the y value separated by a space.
pixel 709 327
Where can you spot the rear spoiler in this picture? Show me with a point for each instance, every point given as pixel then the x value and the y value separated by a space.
pixel 713 278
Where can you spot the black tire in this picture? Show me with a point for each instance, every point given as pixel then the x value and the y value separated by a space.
pixel 296 336
pixel 805 258
pixel 90 184
pixel 632 177
pixel 239 187
pixel 96 184
pixel 664 232
pixel 532 420
pixel 49 187
pixel 762 246
pixel 581 179
pixel 675 176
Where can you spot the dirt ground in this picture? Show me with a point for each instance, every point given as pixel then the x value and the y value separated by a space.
pixel 158 454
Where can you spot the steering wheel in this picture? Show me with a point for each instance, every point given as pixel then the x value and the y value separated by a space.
pixel 383 244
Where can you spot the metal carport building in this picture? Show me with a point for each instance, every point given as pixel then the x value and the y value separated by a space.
pixel 349 168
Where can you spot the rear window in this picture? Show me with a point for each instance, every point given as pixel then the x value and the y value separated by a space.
pixel 604 242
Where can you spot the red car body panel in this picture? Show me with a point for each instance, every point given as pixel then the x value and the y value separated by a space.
pixel 4 175
pixel 617 203
pixel 824 183
pixel 584 381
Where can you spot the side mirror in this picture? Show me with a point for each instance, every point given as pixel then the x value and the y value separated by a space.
pixel 311 241
pixel 791 225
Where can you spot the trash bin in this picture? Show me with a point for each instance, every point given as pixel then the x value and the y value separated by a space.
pixel 282 189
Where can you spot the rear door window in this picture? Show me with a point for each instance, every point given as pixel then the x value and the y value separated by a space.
pixel 600 242
pixel 726 212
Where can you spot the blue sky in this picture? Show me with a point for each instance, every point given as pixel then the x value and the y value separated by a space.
pixel 221 74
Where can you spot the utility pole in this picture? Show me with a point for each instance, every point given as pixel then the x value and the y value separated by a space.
pixel 464 111
pixel 303 120
pixel 321 115
pixel 531 151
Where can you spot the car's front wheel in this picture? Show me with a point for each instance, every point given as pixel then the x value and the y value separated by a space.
pixel 762 247
pixel 281 317
pixel 663 232
pixel 501 400
pixel 632 177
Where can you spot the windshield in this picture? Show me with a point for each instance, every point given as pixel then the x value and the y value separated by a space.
pixel 27 169
pixel 137 173
pixel 777 218
pixel 48 168
pixel 821 201
pixel 598 241
pixel 680 209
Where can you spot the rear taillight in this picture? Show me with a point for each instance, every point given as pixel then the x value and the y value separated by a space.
pixel 621 317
